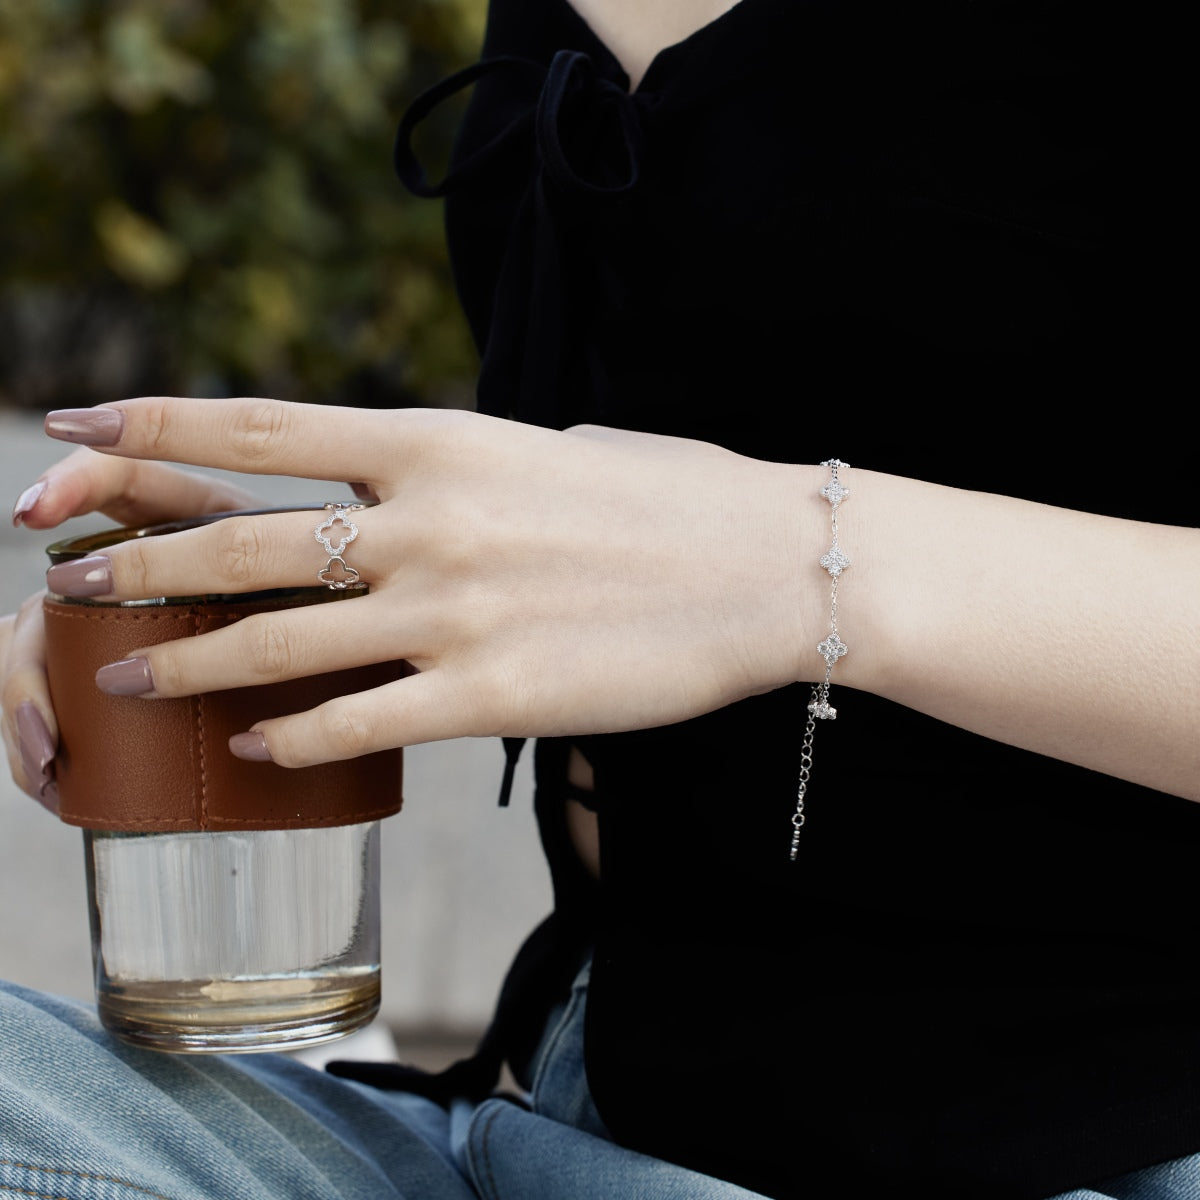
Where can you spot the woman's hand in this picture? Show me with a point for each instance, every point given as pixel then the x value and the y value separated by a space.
pixel 30 735
pixel 590 581
pixel 540 582
pixel 128 493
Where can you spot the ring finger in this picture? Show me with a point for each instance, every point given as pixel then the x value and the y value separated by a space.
pixel 266 647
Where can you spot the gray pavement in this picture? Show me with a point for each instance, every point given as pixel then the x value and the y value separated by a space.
pixel 463 880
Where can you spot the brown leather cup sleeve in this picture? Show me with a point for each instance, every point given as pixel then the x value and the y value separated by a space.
pixel 132 765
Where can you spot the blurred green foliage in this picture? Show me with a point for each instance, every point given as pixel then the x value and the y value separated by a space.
pixel 198 195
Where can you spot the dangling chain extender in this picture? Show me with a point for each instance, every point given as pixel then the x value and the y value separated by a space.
pixel 831 649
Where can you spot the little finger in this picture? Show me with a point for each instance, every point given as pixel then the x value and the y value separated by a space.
pixel 421 708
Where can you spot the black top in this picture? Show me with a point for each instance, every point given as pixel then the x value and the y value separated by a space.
pixel 927 238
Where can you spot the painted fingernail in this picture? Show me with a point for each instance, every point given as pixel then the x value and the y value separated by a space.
pixel 37 749
pixel 27 501
pixel 48 797
pixel 86 426
pixel 363 491
pixel 91 576
pixel 129 677
pixel 250 746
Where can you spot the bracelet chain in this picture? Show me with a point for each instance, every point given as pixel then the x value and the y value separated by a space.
pixel 835 561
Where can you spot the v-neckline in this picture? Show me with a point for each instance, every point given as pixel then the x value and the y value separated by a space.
pixel 663 54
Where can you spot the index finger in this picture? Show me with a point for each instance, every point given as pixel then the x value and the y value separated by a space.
pixel 247 434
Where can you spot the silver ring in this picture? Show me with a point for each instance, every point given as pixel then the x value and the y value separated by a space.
pixel 346 576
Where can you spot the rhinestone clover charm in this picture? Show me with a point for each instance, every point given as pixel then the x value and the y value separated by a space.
pixel 835 562
pixel 832 648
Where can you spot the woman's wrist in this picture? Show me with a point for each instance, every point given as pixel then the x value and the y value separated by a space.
pixel 774 561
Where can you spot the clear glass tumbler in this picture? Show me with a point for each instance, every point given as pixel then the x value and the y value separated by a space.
pixel 230 940
pixel 235 941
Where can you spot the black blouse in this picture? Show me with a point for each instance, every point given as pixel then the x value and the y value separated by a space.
pixel 934 239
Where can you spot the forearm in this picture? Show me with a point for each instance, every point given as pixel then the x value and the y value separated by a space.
pixel 1065 633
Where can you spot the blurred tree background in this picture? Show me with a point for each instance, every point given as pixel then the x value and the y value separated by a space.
pixel 197 197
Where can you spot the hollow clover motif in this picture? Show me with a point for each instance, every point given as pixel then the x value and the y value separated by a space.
pixel 350 532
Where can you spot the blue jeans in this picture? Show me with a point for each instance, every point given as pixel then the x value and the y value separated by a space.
pixel 84 1117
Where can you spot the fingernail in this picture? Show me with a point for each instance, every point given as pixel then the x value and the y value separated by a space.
pixel 363 491
pixel 86 426
pixel 91 576
pixel 37 750
pixel 27 500
pixel 250 746
pixel 129 677
pixel 48 797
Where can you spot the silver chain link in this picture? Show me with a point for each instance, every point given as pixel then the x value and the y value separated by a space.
pixel 831 649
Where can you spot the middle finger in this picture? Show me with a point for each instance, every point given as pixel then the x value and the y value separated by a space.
pixel 236 554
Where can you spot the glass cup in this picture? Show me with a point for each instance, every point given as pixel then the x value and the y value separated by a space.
pixel 231 941
pixel 259 940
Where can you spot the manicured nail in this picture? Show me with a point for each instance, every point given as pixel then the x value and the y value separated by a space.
pixel 129 677
pixel 91 576
pixel 27 501
pixel 364 492
pixel 250 746
pixel 86 426
pixel 37 750
pixel 48 797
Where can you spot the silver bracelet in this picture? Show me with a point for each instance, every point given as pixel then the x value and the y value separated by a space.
pixel 831 649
